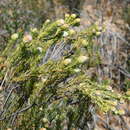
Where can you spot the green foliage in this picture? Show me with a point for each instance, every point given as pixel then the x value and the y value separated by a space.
pixel 56 92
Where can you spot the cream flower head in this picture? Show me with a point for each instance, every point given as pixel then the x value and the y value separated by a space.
pixel 14 36
pixel 82 59
pixel 27 38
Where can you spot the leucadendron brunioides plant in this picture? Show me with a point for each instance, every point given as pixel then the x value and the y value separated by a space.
pixel 48 67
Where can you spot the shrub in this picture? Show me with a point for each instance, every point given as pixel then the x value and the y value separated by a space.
pixel 45 81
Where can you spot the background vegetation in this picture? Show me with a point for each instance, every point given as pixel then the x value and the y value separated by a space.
pixel 64 71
